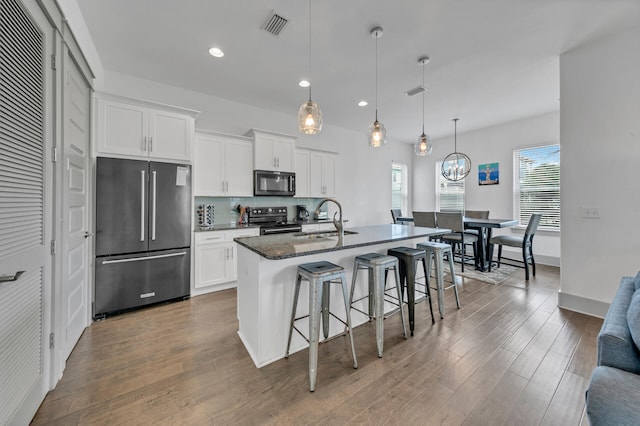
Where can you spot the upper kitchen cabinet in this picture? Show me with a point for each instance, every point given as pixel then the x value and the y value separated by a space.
pixel 138 129
pixel 223 165
pixel 273 151
pixel 302 173
pixel 322 174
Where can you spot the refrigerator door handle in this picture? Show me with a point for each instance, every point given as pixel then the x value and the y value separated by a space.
pixel 142 185
pixel 153 207
pixel 138 259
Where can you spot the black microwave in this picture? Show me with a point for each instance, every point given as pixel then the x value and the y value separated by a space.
pixel 267 182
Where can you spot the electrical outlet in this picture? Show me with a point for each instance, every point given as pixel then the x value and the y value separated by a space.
pixel 591 212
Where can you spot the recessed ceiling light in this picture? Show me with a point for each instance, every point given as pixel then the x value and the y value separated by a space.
pixel 304 83
pixel 214 51
pixel 363 103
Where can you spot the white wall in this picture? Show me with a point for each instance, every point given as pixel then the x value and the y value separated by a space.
pixel 363 174
pixel 600 134
pixel 492 145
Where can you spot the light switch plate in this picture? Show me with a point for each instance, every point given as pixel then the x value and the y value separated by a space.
pixel 591 212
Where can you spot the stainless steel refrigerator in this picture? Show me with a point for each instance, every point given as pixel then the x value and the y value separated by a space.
pixel 143 233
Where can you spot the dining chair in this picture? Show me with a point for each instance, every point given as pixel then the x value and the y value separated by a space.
pixel 525 244
pixel 476 214
pixel 426 219
pixel 458 236
pixel 395 214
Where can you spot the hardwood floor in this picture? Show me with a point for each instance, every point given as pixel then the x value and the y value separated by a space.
pixel 508 356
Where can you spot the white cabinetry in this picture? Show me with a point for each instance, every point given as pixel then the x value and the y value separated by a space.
pixel 223 165
pixel 273 151
pixel 215 264
pixel 131 128
pixel 317 171
pixel 318 227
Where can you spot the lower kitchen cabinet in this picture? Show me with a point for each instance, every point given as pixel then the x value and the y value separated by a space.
pixel 318 227
pixel 215 261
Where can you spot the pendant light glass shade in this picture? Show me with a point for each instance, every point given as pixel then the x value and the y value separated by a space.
pixel 456 166
pixel 309 114
pixel 424 146
pixel 377 135
pixel 309 118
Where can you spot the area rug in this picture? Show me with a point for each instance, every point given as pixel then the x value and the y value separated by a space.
pixel 496 276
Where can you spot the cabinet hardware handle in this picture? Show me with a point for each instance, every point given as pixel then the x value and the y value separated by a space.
pixel 144 143
pixel 138 259
pixel 153 206
pixel 142 185
pixel 222 186
pixel 150 143
pixel 8 278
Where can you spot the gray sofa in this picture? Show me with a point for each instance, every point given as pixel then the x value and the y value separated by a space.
pixel 613 397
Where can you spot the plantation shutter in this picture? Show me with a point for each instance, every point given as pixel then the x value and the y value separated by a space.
pixel 450 195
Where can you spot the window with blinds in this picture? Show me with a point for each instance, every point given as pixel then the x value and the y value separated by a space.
pixel 537 184
pixel 449 195
pixel 399 187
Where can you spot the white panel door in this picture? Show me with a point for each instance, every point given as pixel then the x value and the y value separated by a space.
pixel 26 212
pixel 208 166
pixel 75 204
pixel 170 136
pixel 122 128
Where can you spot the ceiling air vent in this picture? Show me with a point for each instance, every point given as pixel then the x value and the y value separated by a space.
pixel 275 24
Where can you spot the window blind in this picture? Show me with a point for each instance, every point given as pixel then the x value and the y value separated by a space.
pixel 537 184
pixel 450 195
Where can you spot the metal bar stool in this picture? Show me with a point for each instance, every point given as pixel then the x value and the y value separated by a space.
pixel 319 275
pixel 438 251
pixel 408 259
pixel 378 266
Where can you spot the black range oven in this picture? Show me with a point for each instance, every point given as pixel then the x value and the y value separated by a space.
pixel 272 220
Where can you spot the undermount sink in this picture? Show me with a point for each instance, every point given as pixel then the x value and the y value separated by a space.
pixel 319 234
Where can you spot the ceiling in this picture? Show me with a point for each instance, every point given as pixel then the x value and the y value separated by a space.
pixel 492 61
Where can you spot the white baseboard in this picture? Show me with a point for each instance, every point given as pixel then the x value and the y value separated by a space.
pixel 580 304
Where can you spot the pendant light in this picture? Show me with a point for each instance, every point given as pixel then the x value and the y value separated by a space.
pixel 377 133
pixel 309 115
pixel 424 146
pixel 456 166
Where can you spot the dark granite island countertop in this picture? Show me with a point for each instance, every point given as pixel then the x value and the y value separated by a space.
pixel 283 246
pixel 267 267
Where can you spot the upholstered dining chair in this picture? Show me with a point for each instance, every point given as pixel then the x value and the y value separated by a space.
pixel 458 237
pixel 426 219
pixel 525 244
pixel 476 214
pixel 395 214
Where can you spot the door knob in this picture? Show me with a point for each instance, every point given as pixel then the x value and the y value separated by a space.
pixel 88 234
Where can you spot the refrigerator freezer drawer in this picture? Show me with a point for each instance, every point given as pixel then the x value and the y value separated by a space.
pixel 124 282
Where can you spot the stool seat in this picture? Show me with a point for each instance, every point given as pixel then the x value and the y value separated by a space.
pixel 319 275
pixel 408 258
pixel 378 265
pixel 322 267
pixel 437 251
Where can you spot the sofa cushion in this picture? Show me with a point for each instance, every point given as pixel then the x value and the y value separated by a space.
pixel 633 318
pixel 612 398
pixel 636 281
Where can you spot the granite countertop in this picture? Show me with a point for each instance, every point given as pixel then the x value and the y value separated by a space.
pixel 283 246
pixel 225 227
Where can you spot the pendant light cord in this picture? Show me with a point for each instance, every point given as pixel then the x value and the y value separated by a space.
pixel 376 76
pixel 455 135
pixel 423 97
pixel 309 64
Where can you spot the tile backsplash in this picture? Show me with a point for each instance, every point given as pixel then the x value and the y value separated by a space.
pixel 225 208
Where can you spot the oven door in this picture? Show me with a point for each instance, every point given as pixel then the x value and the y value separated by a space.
pixel 267 182
pixel 279 229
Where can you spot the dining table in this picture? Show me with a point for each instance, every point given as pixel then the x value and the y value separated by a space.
pixel 485 228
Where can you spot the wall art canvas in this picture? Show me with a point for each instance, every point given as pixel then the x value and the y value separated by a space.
pixel 488 174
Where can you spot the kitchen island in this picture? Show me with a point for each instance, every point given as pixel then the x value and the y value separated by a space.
pixel 267 268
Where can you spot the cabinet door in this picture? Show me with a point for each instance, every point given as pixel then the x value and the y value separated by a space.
pixel 284 152
pixel 213 264
pixel 208 167
pixel 316 185
pixel 122 128
pixel 302 173
pixel 263 157
pixel 329 175
pixel 170 135
pixel 239 168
